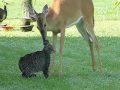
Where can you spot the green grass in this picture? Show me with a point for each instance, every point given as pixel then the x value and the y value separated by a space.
pixel 78 74
pixel 104 10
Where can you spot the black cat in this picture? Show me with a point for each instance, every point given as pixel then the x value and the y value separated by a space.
pixel 37 61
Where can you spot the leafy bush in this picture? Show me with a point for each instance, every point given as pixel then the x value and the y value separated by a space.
pixel 117 3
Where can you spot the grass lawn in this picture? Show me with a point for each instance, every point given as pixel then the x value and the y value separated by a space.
pixel 78 74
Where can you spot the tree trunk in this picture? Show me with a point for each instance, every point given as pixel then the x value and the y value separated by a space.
pixel 27 10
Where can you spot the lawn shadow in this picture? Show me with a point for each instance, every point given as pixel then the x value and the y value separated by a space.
pixel 76 60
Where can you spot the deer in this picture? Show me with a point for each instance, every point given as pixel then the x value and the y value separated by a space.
pixel 62 14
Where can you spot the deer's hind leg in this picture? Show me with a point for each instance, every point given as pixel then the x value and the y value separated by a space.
pixel 86 30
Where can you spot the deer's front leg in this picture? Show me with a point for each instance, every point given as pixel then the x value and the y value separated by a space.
pixel 53 54
pixel 62 37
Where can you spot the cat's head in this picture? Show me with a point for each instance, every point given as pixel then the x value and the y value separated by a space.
pixel 48 47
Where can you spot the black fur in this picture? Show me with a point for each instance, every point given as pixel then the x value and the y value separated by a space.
pixel 35 62
pixel 3 13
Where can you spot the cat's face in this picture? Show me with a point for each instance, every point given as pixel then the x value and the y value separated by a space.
pixel 48 47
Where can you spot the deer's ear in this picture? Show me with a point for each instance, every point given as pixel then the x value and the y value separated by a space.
pixel 45 9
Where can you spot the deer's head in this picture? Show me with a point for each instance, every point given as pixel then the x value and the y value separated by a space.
pixel 40 18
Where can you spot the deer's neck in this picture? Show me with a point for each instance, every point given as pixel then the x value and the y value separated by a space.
pixel 53 20
pixel 60 15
